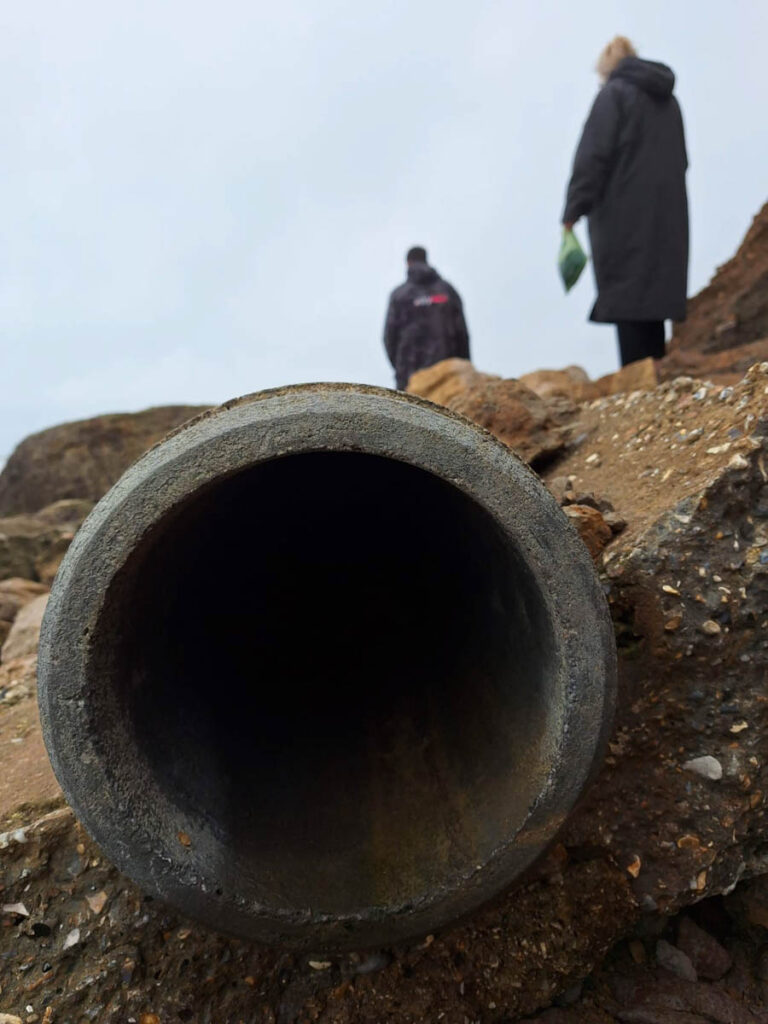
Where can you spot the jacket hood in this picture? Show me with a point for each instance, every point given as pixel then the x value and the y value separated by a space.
pixel 421 273
pixel 649 75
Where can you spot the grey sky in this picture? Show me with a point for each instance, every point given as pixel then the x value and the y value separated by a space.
pixel 204 199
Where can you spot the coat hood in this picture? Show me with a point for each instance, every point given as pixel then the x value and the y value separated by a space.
pixel 649 75
pixel 421 273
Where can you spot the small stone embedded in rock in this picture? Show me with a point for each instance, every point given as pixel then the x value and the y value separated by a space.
pixel 738 462
pixel 707 766
pixel 320 965
pixel 674 960
pixel 673 623
pixel 637 951
pixel 633 868
pixel 689 842
pixel 72 939
pixel 149 1018
pixel 184 839
pixel 15 908
pixel 710 627
pixel 10 1018
pixel 97 902
pixel 738 727
pixel 593 459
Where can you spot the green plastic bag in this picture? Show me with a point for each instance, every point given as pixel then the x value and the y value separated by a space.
pixel 572 259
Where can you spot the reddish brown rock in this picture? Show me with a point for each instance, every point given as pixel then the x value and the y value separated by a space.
pixel 639 376
pixel 446 380
pixel 591 527
pixel 536 429
pixel 572 383
pixel 733 309
pixel 724 367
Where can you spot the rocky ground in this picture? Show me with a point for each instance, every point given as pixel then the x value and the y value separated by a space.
pixel 670 489
pixel 652 908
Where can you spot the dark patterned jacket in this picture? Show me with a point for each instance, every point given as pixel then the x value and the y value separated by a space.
pixel 425 323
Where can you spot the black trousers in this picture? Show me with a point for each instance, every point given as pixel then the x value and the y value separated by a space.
pixel 639 339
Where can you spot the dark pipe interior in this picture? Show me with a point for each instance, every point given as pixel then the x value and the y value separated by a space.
pixel 336 665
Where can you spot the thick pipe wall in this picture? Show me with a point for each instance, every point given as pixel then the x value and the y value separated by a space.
pixel 328 667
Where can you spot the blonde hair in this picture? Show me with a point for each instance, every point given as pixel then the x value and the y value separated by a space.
pixel 613 54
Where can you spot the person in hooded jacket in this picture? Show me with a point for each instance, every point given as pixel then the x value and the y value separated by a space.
pixel 629 180
pixel 425 320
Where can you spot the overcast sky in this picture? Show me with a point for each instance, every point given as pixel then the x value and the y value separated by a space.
pixel 205 199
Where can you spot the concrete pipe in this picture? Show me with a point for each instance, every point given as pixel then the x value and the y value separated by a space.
pixel 327 667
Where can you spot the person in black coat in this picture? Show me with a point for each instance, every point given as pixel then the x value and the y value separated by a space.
pixel 425 320
pixel 629 179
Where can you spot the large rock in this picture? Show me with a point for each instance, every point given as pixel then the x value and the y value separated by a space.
pixel 574 384
pixel 725 367
pixel 14 594
pixel 82 459
pixel 687 581
pixel 32 546
pixel 24 636
pixel 536 428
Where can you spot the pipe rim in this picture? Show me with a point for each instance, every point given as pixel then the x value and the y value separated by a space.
pixel 259 428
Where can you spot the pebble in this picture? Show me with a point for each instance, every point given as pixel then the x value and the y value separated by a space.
pixel 97 902
pixel 373 963
pixel 707 766
pixel 738 462
pixel 72 939
pixel 15 908
pixel 673 959
pixel 710 627
pixel 320 965
pixel 633 868
pixel 9 1018
pixel 637 951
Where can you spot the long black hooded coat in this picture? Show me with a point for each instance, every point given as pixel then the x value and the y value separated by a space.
pixel 629 178
pixel 425 323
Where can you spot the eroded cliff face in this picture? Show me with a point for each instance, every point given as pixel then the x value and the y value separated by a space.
pixel 733 309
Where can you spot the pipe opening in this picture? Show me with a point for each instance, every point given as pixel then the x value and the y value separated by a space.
pixel 337 673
